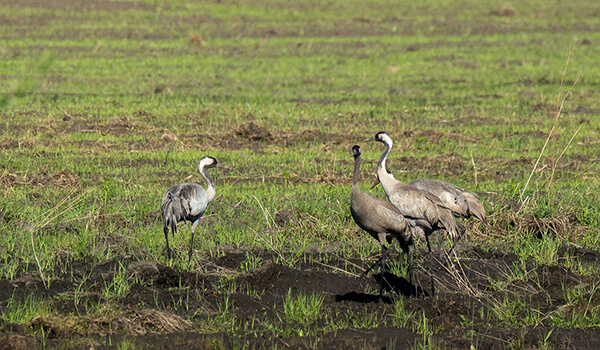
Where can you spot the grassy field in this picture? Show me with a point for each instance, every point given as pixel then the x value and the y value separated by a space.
pixel 105 104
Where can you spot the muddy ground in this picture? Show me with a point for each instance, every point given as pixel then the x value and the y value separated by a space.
pixel 150 318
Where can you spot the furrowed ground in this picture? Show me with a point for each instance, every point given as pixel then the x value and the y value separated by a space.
pixel 105 104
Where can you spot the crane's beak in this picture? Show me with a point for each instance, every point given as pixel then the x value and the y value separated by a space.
pixel 375 183
pixel 369 139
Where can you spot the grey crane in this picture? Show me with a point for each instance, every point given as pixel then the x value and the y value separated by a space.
pixel 426 210
pixel 187 202
pixel 461 202
pixel 380 218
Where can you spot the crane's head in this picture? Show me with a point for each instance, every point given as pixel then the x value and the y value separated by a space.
pixel 355 151
pixel 207 162
pixel 381 136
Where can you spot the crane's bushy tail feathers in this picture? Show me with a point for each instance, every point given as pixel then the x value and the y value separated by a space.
pixel 171 209
pixel 173 226
pixel 475 207
pixel 453 228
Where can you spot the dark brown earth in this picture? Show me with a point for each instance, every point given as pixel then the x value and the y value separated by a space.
pixel 150 319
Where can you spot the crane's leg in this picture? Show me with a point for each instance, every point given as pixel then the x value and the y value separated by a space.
pixel 371 267
pixel 410 269
pixel 382 268
pixel 194 225
pixel 166 230
pixel 378 262
pixel 430 265
pixel 440 241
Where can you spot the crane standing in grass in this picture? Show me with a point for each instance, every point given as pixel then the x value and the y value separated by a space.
pixel 380 218
pixel 462 203
pixel 425 209
pixel 187 202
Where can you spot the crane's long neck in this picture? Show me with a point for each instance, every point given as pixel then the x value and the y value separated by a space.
pixel 387 180
pixel 211 189
pixel 356 175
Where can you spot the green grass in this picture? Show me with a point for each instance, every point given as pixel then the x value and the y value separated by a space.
pixel 21 312
pixel 469 96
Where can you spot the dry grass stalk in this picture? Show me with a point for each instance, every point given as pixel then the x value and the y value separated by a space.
pixel 157 321
pixel 560 101
pixel 460 277
pixel 336 268
pixel 137 322
pixel 267 215
pixel 49 216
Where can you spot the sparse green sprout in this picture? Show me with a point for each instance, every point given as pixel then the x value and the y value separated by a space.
pixel 303 308
pixel 402 317
pixel 22 312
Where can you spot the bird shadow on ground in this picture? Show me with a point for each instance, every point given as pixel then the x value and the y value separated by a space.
pixel 400 285
pixel 392 283
pixel 363 298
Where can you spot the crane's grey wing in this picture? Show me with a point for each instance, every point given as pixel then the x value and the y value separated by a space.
pixel 376 215
pixel 191 196
pixel 419 205
pixel 196 198
pixel 391 218
pixel 454 197
pixel 467 201
pixel 414 203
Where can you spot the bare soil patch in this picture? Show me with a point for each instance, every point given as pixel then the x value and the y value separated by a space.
pixel 149 313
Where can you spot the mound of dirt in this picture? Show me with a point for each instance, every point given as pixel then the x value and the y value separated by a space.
pixel 284 217
pixel 253 132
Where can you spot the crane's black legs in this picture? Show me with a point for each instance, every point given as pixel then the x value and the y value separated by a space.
pixel 194 225
pixel 378 262
pixel 166 230
pixel 430 265
pixel 409 271
pixel 381 263
pixel 384 251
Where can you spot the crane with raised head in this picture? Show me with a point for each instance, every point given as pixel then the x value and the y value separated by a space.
pixel 380 218
pixel 427 211
pixel 187 202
